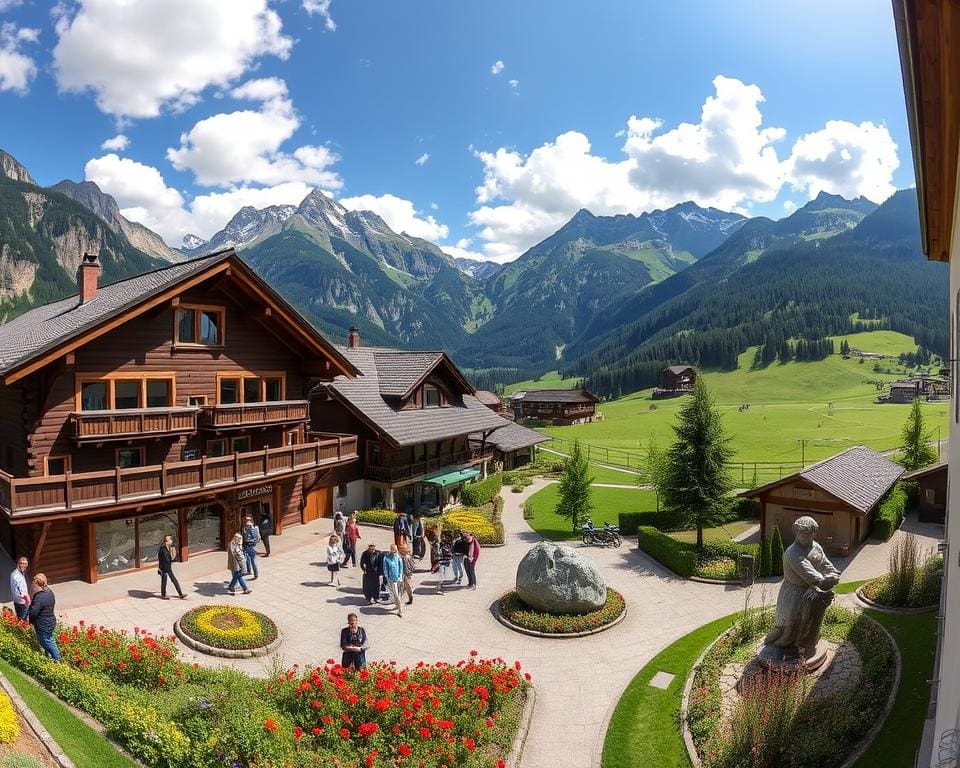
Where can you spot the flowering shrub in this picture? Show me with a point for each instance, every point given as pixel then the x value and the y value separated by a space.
pixel 9 724
pixel 383 517
pixel 224 626
pixel 722 568
pixel 922 591
pixel 514 610
pixel 483 524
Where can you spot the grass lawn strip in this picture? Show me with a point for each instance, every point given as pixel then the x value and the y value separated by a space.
pixel 82 744
pixel 608 503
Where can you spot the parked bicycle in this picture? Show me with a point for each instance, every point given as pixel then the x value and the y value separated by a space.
pixel 608 536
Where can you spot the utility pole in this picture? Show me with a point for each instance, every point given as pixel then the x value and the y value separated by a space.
pixel 803 445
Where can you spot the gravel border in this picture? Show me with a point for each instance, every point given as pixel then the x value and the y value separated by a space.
pixel 866 602
pixel 495 608
pixel 858 749
pixel 35 725
pixel 225 653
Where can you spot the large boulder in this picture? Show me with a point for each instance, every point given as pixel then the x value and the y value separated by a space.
pixel 558 580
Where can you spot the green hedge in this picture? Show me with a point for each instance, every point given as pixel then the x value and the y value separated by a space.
pixel 677 556
pixel 481 492
pixel 890 514
pixel 376 516
pixel 630 522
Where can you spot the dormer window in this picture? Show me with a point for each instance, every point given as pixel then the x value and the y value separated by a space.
pixel 431 396
pixel 201 326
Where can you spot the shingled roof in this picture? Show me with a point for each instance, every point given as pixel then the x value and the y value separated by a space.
pixel 678 369
pixel 858 477
pixel 384 374
pixel 556 396
pixel 514 437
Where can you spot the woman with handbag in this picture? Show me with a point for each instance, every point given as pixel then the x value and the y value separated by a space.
pixel 236 562
pixel 166 554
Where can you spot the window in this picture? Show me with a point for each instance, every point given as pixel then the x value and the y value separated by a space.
pixel 240 445
pixel 431 397
pixel 125 392
pixel 158 393
pixel 129 457
pixel 931 495
pixel 217 447
pixel 341 490
pixel 197 401
pixel 229 391
pixel 251 389
pixel 93 396
pixel 273 389
pixel 202 326
pixel 57 465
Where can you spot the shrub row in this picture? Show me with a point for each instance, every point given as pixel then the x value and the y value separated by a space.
pixel 890 514
pixel 481 492
pixel 677 556
pixel 738 509
pixel 717 559
pixel 376 516
pixel 518 612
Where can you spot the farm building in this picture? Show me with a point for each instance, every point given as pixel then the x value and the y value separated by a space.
pixel 559 407
pixel 841 493
pixel 675 381
pixel 931 492
pixel 514 445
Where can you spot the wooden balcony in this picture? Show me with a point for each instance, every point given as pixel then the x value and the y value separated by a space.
pixel 246 415
pixel 126 424
pixel 428 467
pixel 90 492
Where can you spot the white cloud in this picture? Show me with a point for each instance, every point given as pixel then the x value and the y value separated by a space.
pixel 17 69
pixel 139 58
pixel 117 144
pixel 727 160
pixel 244 146
pixel 322 8
pixel 497 67
pixel 422 160
pixel 462 250
pixel 400 215
pixel 6 5
pixel 514 84
pixel 789 206
pixel 434 207
pixel 845 159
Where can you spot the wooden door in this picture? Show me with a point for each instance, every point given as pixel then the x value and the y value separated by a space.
pixel 319 503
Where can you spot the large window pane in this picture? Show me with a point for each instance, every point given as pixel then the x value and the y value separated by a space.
pixel 217 447
pixel 129 457
pixel 209 327
pixel 203 528
pixel 273 390
pixel 152 530
pixel 186 326
pixel 93 396
pixel 240 444
pixel 126 394
pixel 158 393
pixel 116 545
pixel 251 390
pixel 229 391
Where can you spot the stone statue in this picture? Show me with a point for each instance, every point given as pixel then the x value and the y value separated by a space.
pixel 808 577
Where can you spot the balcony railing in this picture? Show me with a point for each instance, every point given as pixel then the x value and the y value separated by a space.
pixel 245 415
pixel 104 426
pixel 411 471
pixel 92 491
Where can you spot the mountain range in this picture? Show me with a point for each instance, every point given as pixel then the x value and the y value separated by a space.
pixel 607 297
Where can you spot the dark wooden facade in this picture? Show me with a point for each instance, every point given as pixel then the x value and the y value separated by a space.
pixel 131 435
pixel 931 493
pixel 561 408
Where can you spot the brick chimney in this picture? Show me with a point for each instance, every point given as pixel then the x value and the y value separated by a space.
pixel 87 274
pixel 353 340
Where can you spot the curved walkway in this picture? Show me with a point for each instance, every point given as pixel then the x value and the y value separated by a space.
pixel 578 681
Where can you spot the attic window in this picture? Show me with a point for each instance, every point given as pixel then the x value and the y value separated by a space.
pixel 431 396
pixel 202 326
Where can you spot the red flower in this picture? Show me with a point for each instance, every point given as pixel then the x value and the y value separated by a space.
pixel 316 731
pixel 297 733
pixel 367 729
pixel 270 725
pixel 344 733
pixel 424 733
pixel 501 764
pixel 473 653
pixel 404 750
pixel 469 743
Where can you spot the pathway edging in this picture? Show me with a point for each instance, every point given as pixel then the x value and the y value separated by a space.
pixel 35 725
pixel 523 728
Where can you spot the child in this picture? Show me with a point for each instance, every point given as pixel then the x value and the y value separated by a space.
pixel 334 557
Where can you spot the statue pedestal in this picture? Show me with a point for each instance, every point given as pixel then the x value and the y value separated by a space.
pixel 772 657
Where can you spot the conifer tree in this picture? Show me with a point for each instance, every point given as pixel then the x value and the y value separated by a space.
pixel 697 478
pixel 765 556
pixel 574 503
pixel 776 553
pixel 915 450
pixel 655 468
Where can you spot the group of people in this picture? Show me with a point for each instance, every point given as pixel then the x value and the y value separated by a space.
pixel 36 605
pixel 242 555
pixel 458 553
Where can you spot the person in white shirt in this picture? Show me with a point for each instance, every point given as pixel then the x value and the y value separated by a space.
pixel 19 589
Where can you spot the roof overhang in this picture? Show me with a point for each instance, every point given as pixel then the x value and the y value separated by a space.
pixel 928 35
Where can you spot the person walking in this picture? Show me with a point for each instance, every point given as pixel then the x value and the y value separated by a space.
pixel 459 553
pixel 43 616
pixel 401 529
pixel 408 570
pixel 353 642
pixel 19 590
pixel 470 562
pixel 236 560
pixel 339 523
pixel 266 528
pixel 351 537
pixel 419 541
pixel 166 554
pixel 334 556
pixel 250 538
pixel 393 573
pixel 371 578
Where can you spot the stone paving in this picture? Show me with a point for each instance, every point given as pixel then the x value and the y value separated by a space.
pixel 578 681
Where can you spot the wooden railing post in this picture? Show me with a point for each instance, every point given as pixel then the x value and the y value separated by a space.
pixel 116 480
pixel 339 447
pixel 203 471
pixel 266 461
pixel 67 489
pixel 163 478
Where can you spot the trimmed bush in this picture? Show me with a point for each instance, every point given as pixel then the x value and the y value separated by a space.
pixel 890 513
pixel 481 492
pixel 765 564
pixel 630 522
pixel 484 523
pixel 518 612
pixel 677 556
pixel 776 553
pixel 376 517
pixel 9 724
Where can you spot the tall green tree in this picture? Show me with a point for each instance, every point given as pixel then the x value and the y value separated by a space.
pixel 575 503
pixel 698 479
pixel 654 469
pixel 915 450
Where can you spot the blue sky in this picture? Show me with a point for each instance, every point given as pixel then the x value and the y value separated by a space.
pixel 519 113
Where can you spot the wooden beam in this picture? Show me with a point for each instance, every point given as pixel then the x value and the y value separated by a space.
pixel 38 547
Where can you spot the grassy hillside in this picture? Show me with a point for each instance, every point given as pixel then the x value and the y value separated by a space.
pixel 830 404
pixel 549 380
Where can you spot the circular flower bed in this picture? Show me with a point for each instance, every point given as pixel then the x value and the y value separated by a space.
pixel 519 615
pixel 227 627
pixel 915 589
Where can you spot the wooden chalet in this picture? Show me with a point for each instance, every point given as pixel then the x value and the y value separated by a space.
pixel 174 402
pixel 841 493
pixel 414 414
pixel 515 445
pixel 559 407
pixel 931 492
pixel 675 380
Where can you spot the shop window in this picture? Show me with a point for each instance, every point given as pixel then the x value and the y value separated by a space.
pixel 217 447
pixel 202 326
pixel 57 465
pixel 203 528
pixel 122 545
pixel 377 499
pixel 130 457
pixel 240 445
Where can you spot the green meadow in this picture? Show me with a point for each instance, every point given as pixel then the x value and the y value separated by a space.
pixel 830 405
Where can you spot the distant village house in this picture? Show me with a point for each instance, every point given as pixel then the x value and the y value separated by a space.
pixel 675 381
pixel 559 407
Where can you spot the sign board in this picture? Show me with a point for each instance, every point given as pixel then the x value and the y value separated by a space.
pixel 253 493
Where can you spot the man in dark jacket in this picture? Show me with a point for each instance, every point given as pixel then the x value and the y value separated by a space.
pixel 43 617
pixel 266 528
pixel 251 537
pixel 165 556
pixel 353 642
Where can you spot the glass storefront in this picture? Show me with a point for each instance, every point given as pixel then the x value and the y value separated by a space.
pixel 203 528
pixel 150 532
pixel 116 543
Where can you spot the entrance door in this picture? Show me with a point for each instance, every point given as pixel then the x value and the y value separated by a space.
pixel 318 503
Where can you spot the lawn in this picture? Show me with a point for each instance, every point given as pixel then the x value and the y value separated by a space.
pixel 84 746
pixel 608 503
pixel 829 405
pixel 549 380
pixel 721 533
pixel 644 730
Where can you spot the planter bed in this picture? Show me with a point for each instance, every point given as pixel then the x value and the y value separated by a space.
pixel 515 614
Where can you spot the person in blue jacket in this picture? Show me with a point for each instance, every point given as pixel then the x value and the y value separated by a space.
pixel 43 616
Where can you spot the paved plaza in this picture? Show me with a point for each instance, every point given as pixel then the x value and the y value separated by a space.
pixel 578 682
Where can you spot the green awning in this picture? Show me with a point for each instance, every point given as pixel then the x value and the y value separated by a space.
pixel 452 478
